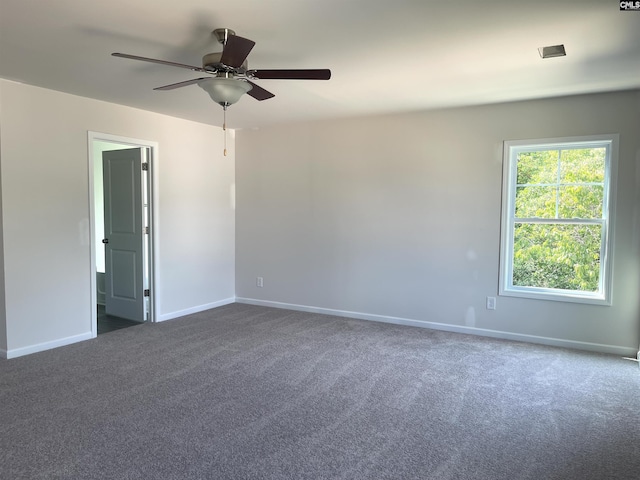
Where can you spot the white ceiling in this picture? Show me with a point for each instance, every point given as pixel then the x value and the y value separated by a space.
pixel 385 55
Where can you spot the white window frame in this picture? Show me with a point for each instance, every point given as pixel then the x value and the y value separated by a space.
pixel 511 150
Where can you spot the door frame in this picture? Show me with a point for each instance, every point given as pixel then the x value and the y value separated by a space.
pixel 152 212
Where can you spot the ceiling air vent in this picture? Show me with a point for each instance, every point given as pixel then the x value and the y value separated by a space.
pixel 552 51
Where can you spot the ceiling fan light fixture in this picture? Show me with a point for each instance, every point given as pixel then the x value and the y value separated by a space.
pixel 225 91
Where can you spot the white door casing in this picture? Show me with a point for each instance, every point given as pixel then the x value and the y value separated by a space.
pixel 124 232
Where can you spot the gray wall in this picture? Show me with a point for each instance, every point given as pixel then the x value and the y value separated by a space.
pixel 397 218
pixel 45 224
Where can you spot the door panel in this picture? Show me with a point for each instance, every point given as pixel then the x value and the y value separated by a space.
pixel 123 227
pixel 123 274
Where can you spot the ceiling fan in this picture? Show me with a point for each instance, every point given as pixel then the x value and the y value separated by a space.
pixel 231 77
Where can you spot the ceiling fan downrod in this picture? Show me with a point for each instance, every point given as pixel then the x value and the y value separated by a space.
pixel 222 34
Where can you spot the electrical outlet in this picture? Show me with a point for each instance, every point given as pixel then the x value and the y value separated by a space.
pixel 491 303
pixel 259 282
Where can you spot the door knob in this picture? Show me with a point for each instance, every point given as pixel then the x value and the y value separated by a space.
pixel 105 240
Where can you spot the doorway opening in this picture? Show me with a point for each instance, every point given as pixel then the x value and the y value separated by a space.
pixel 121 195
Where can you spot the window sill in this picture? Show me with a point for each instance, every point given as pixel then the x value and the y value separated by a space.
pixel 556 295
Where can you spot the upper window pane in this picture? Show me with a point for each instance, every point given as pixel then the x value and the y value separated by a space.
pixel 580 201
pixel 584 165
pixel 560 183
pixel 536 202
pixel 537 167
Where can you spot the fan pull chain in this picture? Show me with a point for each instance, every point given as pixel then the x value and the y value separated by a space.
pixel 224 128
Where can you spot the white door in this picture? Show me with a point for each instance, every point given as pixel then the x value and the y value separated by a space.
pixel 124 234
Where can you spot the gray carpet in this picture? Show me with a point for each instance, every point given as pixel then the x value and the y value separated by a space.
pixel 245 392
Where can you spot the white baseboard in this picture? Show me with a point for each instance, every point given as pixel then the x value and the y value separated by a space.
pixel 197 309
pixel 40 347
pixel 555 342
pixel 18 352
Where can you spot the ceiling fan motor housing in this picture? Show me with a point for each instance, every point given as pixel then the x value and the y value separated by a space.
pixel 211 62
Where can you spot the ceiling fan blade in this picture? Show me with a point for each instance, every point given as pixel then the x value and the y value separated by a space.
pixel 259 93
pixel 161 62
pixel 236 50
pixel 181 84
pixel 317 74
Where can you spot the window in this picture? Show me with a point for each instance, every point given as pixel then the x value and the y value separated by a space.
pixel 556 219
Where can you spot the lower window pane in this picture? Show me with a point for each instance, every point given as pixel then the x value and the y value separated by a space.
pixel 557 256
